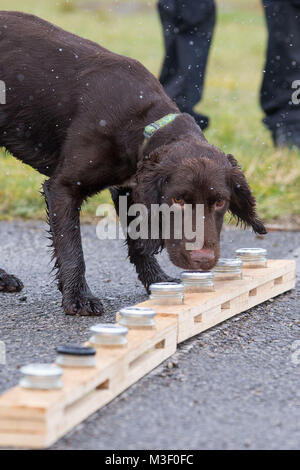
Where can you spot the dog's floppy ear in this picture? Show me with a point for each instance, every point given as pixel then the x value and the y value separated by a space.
pixel 149 179
pixel 148 190
pixel 242 202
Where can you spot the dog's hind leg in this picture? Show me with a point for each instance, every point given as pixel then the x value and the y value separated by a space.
pixel 146 265
pixel 9 283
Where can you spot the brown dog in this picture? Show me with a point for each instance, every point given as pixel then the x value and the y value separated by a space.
pixel 76 112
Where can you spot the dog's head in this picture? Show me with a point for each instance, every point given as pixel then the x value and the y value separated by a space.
pixel 191 173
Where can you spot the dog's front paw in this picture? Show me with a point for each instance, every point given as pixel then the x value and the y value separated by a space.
pixel 9 283
pixel 85 305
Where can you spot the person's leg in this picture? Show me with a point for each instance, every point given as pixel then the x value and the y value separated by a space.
pixel 188 29
pixel 281 70
pixel 168 16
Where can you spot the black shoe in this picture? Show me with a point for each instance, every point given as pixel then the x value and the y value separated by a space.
pixel 201 120
pixel 287 136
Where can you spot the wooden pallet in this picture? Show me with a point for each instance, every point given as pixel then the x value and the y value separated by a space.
pixel 36 419
pixel 203 311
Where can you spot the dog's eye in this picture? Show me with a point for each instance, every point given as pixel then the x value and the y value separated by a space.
pixel 179 201
pixel 220 203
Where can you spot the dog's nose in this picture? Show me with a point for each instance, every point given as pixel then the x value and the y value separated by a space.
pixel 204 255
pixel 203 259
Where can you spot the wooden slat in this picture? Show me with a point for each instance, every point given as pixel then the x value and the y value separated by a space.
pixel 36 419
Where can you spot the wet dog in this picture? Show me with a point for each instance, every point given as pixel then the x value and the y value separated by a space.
pixel 76 112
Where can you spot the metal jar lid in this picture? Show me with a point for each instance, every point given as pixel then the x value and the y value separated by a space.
pixel 137 316
pixel 227 264
pixel 74 355
pixel 108 334
pixel 250 253
pixel 166 287
pixel 75 350
pixel 194 276
pixel 41 376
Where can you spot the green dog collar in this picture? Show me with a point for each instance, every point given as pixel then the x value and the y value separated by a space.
pixel 155 126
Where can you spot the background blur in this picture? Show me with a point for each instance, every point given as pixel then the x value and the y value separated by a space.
pixel 132 27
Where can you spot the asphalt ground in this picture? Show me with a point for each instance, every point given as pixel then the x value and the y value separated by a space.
pixel 235 386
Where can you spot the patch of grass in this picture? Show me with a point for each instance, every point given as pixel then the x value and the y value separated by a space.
pixel 230 98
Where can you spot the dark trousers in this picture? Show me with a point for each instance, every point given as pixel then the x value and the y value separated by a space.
pixel 188 29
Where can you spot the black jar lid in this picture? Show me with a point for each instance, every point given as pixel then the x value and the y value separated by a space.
pixel 75 350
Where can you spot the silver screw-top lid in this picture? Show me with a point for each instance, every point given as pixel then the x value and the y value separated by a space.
pixel 251 252
pixel 41 370
pixel 108 334
pixel 137 317
pixel 197 275
pixel 41 376
pixel 137 312
pixel 109 329
pixel 229 263
pixel 170 287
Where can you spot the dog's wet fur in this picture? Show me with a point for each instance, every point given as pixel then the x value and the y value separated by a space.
pixel 76 113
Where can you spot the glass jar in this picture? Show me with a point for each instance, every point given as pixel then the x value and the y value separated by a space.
pixel 108 334
pixel 137 317
pixel 252 257
pixel 41 377
pixel 198 281
pixel 228 269
pixel 73 355
pixel 166 293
